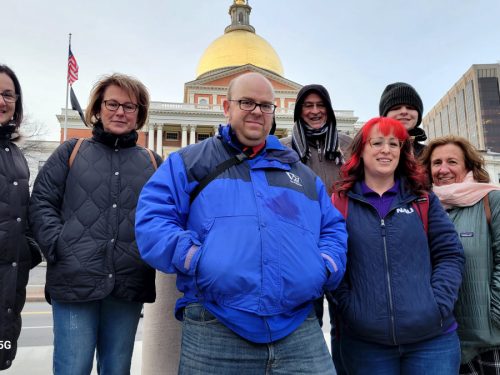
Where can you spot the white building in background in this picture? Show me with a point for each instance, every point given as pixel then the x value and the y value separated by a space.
pixel 471 109
pixel 492 160
pixel 239 50
pixel 36 153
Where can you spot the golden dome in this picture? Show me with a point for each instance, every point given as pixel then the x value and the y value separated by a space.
pixel 236 48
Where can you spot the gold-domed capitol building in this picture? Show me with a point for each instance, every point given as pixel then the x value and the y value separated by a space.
pixel 239 50
pixel 239 45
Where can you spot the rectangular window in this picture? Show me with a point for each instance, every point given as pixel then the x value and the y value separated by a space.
pixel 489 94
pixel 172 136
pixel 202 137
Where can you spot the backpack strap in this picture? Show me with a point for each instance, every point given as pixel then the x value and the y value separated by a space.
pixel 341 203
pixel 80 141
pixel 421 205
pixel 152 157
pixel 75 151
pixel 487 209
pixel 226 164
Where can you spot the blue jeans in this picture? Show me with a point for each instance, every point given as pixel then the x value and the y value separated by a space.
pixel 439 355
pixel 208 347
pixel 108 325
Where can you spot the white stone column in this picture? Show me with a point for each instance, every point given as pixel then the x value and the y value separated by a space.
pixel 192 134
pixel 184 138
pixel 161 332
pixel 159 140
pixel 151 136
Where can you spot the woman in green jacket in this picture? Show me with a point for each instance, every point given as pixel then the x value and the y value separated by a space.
pixel 462 185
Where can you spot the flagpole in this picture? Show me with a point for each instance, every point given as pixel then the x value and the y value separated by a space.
pixel 67 93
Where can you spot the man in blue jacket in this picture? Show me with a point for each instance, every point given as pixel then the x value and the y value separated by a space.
pixel 252 249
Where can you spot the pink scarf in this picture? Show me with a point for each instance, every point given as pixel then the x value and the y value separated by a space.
pixel 463 194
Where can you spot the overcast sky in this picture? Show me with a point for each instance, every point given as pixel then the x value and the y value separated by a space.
pixel 354 48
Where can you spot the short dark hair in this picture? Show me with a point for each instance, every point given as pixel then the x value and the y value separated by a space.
pixel 473 160
pixel 18 112
pixel 127 83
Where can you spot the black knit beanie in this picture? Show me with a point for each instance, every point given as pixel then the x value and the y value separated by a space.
pixel 400 93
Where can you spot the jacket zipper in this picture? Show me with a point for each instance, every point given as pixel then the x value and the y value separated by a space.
pixel 318 145
pixel 389 289
pixel 388 276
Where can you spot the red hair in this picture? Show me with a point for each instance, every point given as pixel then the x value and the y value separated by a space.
pixel 353 170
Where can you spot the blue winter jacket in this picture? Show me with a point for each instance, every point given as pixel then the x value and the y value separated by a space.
pixel 257 245
pixel 401 284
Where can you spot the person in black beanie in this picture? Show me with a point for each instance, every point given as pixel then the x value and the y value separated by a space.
pixel 401 101
pixel 320 146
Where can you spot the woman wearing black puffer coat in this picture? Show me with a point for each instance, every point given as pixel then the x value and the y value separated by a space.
pixel 83 215
pixel 18 253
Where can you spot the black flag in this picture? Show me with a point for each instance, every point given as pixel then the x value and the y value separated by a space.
pixel 75 105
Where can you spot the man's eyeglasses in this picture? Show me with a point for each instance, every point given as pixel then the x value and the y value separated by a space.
pixel 378 143
pixel 250 105
pixel 113 105
pixel 9 96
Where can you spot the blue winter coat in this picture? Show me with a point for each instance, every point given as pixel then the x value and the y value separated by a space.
pixel 269 239
pixel 401 284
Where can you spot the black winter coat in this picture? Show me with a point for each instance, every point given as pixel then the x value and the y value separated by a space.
pixel 15 256
pixel 84 217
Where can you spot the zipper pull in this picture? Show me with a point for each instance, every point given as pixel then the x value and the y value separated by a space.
pixel 318 146
pixel 382 226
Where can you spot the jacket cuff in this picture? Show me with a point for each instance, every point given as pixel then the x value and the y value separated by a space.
pixel 334 277
pixel 187 261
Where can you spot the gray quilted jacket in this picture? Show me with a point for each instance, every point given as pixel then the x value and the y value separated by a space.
pixel 478 307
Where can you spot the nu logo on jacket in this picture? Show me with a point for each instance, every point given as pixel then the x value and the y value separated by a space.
pixel 407 211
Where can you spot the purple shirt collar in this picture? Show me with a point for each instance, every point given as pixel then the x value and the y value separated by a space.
pixel 381 203
pixel 365 189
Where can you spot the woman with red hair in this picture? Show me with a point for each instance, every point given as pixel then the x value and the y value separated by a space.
pixel 405 261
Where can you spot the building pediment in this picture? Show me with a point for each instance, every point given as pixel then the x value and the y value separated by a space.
pixel 219 80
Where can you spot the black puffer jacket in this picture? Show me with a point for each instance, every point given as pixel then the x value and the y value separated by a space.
pixel 83 218
pixel 15 255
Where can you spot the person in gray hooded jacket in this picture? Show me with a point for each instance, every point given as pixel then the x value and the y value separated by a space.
pixel 320 146
pixel 315 137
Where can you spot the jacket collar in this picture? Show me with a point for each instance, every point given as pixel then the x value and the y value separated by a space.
pixel 7 131
pixel 403 193
pixel 112 140
pixel 273 150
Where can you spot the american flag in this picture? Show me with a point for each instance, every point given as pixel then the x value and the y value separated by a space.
pixel 72 68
